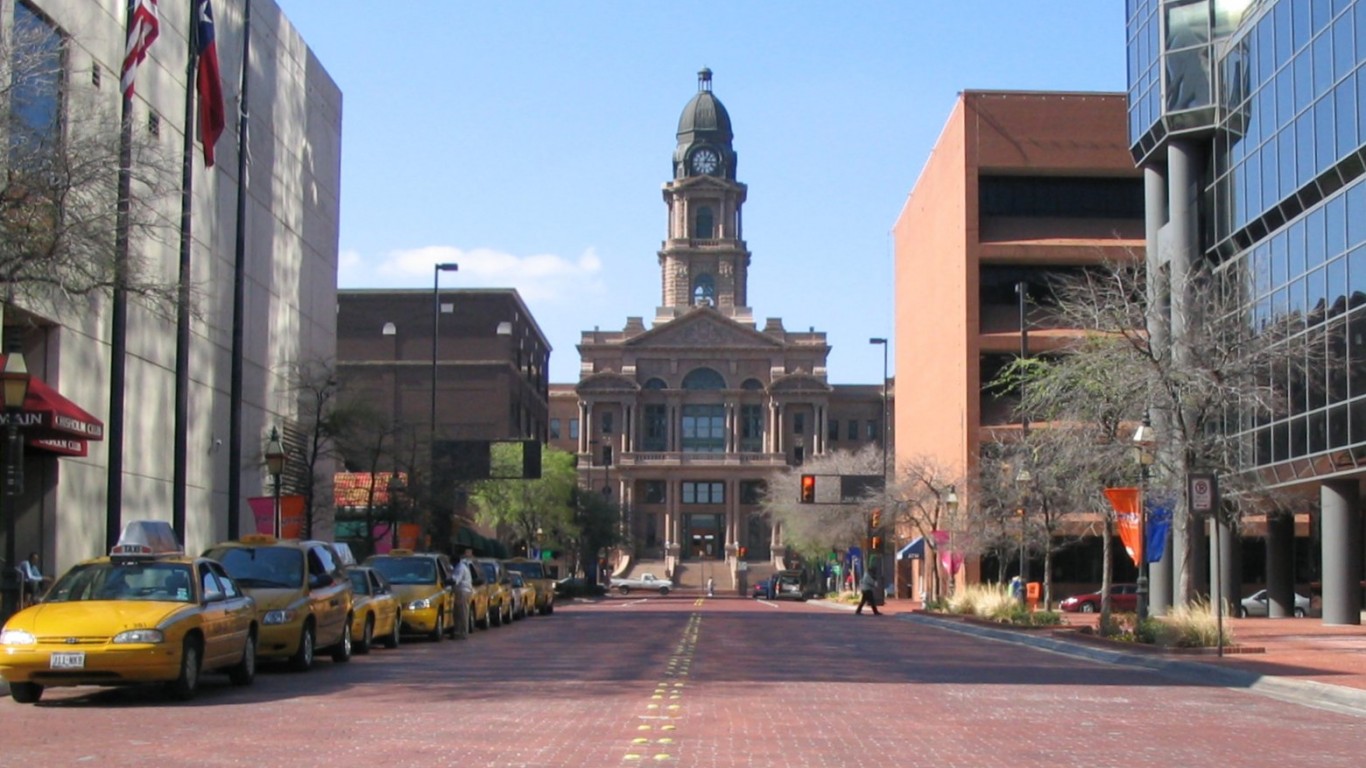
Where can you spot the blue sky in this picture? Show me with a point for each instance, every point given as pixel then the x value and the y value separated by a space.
pixel 528 141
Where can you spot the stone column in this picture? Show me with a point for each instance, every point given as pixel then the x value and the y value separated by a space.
pixel 1340 502
pixel 1180 249
pixel 1280 565
pixel 1155 210
pixel 1225 575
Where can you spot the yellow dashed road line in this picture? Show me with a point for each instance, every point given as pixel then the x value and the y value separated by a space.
pixel 665 717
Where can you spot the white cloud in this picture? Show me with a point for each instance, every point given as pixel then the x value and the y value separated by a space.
pixel 545 277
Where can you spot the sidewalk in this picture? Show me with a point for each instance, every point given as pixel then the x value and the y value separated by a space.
pixel 1302 660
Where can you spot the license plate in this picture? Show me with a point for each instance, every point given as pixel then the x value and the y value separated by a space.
pixel 68 661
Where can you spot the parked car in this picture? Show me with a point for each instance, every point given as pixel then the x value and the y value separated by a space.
pixel 1123 598
pixel 1259 604
pixel 499 591
pixel 523 595
pixel 147 613
pixel 538 575
pixel 303 597
pixel 425 586
pixel 377 610
pixel 574 586
pixel 789 585
pixel 761 589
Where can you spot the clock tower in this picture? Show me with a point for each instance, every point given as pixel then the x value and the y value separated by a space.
pixel 704 261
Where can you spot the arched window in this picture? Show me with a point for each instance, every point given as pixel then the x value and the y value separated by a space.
pixel 752 385
pixel 704 378
pixel 656 383
pixel 704 291
pixel 706 224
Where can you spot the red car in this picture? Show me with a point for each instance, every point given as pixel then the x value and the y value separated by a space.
pixel 1123 598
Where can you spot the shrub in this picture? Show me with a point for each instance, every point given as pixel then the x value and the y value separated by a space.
pixel 1191 626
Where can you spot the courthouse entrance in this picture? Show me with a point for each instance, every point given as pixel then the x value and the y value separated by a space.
pixel 704 537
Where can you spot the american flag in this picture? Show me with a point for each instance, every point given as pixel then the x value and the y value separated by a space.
pixel 142 31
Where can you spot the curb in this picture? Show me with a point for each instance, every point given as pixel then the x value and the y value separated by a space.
pixel 1309 693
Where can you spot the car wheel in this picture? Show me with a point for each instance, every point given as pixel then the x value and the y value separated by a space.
pixel 302 660
pixel 1242 612
pixel 245 670
pixel 26 693
pixel 624 590
pixel 439 631
pixel 663 590
pixel 391 641
pixel 549 608
pixel 1299 613
pixel 1088 607
pixel 341 652
pixel 183 688
pixel 481 623
pixel 367 635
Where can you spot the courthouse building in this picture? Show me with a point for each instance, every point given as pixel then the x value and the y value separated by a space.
pixel 684 419
pixel 289 275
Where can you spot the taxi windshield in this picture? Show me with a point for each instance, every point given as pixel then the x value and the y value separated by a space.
pixel 528 569
pixel 262 567
pixel 406 570
pixel 166 582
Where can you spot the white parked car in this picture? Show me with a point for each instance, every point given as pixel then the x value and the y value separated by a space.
pixel 1258 604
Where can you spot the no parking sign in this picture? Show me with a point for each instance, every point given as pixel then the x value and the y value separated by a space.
pixel 1204 493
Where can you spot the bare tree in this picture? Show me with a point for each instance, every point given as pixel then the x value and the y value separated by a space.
pixel 58 192
pixel 1123 364
pixel 919 501
pixel 812 530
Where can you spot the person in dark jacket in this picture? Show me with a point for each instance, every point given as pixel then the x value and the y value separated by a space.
pixel 868 586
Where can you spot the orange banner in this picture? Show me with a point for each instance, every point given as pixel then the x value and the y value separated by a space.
pixel 1126 501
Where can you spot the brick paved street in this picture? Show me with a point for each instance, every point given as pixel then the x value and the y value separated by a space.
pixel 690 682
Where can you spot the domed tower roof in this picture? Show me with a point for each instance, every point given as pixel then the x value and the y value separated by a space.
pixel 705 117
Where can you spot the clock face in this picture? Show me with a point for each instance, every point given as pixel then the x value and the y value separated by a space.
pixel 705 161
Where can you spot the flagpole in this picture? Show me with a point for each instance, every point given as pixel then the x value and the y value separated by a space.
pixel 182 337
pixel 239 279
pixel 118 320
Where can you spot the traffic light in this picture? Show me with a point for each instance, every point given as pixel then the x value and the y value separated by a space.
pixel 808 489
pixel 877 544
pixel 877 518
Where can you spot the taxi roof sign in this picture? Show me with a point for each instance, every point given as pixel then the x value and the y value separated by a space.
pixel 147 538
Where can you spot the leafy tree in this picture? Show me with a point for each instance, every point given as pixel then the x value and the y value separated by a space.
pixel 524 507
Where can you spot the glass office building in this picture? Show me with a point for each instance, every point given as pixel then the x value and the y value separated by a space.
pixel 1249 121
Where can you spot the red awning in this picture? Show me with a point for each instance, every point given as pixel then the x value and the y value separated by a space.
pixel 47 415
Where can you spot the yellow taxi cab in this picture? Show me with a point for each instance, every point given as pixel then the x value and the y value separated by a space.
pixel 523 595
pixel 425 587
pixel 303 597
pixel 536 574
pixel 378 613
pixel 498 588
pixel 478 613
pixel 144 614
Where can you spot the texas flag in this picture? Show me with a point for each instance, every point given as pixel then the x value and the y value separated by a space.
pixel 209 84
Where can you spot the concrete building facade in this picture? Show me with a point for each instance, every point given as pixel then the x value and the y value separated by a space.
pixel 1020 186
pixel 290 251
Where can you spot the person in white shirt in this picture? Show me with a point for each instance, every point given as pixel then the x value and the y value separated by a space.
pixel 464 588
pixel 33 578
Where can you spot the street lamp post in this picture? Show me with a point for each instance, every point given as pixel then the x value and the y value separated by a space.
pixel 437 269
pixel 275 465
pixel 883 343
pixel 1144 440
pixel 396 488
pixel 951 505
pixel 1023 479
pixel 15 377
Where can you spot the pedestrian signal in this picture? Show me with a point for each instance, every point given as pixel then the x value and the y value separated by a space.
pixel 808 489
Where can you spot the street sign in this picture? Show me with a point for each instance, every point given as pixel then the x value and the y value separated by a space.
pixel 1204 493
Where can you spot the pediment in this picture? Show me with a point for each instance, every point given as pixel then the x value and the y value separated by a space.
pixel 704 327
pixel 796 383
pixel 609 382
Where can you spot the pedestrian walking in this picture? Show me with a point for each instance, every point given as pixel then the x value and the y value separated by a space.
pixel 711 587
pixel 33 579
pixel 464 590
pixel 868 586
